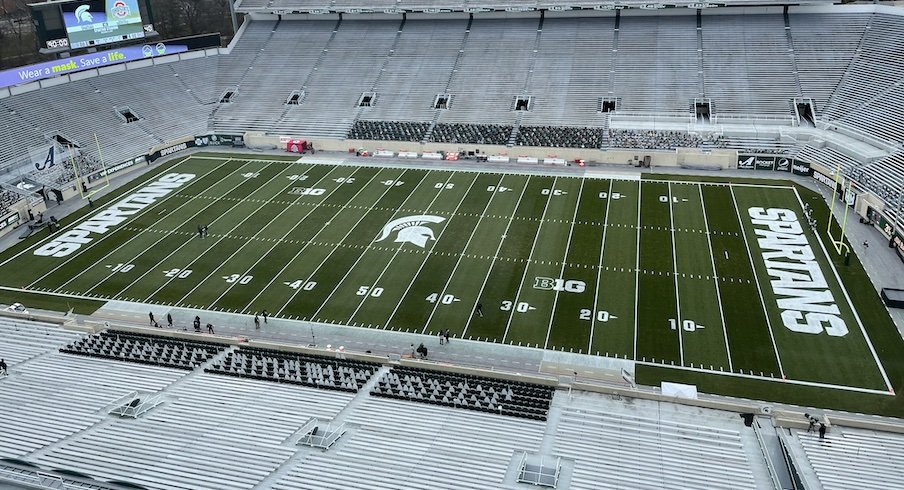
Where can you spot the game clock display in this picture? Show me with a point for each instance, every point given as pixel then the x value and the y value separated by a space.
pixel 96 22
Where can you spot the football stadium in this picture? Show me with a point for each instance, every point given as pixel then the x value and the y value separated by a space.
pixel 454 244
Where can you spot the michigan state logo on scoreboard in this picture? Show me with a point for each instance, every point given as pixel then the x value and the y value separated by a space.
pixel 411 230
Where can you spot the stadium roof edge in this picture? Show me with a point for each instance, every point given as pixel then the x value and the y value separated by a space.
pixel 478 6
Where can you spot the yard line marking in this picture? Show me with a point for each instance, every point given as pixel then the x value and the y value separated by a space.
pixel 637 265
pixel 157 264
pixel 368 247
pixel 135 237
pixel 555 301
pixel 341 242
pixel 778 357
pixel 309 242
pixel 277 241
pixel 106 235
pixel 458 262
pixel 495 255
pixel 599 269
pixel 678 325
pixel 715 280
pixel 850 303
pixel 533 247
pixel 428 252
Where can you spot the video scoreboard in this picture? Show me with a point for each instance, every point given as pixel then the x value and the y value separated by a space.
pixel 68 25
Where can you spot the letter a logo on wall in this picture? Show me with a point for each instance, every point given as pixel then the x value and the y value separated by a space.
pixel 411 230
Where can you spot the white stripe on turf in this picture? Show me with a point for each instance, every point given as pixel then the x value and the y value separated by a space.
pixel 715 278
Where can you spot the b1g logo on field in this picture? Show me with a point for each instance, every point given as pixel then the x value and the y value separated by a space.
pixel 411 230
pixel 555 284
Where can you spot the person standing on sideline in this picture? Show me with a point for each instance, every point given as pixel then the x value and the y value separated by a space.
pixel 200 231
pixel 3 367
pixel 446 335
pixel 151 316
pixel 210 328
pixel 257 322
pixel 197 323
pixel 441 337
pixel 169 320
pixel 206 234
pixel 822 431
pixel 265 315
pixel 865 243
pixel 479 309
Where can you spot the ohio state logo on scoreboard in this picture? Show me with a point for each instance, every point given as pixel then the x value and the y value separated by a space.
pixel 120 9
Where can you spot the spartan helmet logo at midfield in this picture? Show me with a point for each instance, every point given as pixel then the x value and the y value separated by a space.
pixel 410 229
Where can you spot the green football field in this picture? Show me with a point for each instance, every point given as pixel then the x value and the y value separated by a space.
pixel 705 277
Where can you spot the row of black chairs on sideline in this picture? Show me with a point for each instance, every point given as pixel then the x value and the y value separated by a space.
pixel 478 134
pixel 296 368
pixel 470 392
pixel 560 137
pixel 389 130
pixel 145 349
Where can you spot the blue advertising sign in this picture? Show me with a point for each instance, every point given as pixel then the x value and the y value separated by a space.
pixel 41 71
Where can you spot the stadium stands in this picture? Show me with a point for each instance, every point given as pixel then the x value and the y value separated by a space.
pixel 296 368
pixel 389 130
pixel 145 349
pixel 495 79
pixel 848 458
pixel 417 446
pixel 638 452
pixel 664 140
pixel 559 137
pixel 213 433
pixel 479 393
pixel 656 63
pixel 480 134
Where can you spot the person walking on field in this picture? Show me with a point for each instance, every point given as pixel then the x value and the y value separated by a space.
pixel 446 335
pixel 265 314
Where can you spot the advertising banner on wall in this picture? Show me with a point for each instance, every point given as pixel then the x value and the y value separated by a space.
pixel 41 71
pixel 775 163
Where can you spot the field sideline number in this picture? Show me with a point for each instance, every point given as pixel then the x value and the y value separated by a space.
pixel 521 307
pixel 123 267
pixel 686 325
pixel 239 279
pixel 444 185
pixel 306 286
pixel 447 299
pixel 178 273
pixel 601 316
pixel 615 195
pixel 375 292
